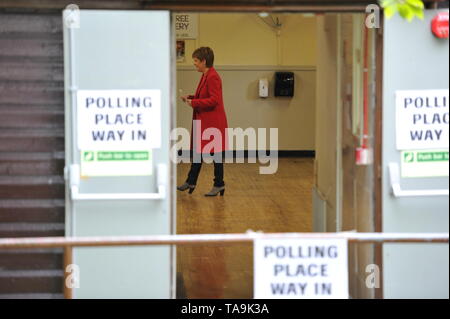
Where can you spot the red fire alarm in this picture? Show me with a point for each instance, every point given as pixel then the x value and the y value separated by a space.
pixel 439 25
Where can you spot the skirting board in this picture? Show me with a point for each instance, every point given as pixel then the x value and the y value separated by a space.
pixel 245 154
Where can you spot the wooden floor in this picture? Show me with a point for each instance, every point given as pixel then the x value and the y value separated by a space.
pixel 281 202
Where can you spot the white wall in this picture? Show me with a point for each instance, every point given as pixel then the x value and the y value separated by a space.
pixel 246 49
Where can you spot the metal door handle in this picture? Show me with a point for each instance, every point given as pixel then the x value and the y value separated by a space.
pixel 76 195
pixel 394 175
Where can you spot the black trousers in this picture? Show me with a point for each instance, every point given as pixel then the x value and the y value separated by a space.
pixel 194 172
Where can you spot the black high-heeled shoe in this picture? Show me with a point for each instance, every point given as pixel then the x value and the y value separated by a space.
pixel 216 190
pixel 186 186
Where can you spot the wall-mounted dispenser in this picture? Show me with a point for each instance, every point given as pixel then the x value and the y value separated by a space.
pixel 284 84
pixel 263 87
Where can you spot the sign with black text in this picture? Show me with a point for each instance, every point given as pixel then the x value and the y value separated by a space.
pixel 110 120
pixel 300 268
pixel 186 25
pixel 422 119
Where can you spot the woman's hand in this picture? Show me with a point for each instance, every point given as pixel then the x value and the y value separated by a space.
pixel 186 99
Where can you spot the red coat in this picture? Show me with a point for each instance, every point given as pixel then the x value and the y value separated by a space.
pixel 209 109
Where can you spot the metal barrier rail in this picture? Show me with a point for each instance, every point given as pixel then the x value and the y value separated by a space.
pixel 48 242
pixel 70 242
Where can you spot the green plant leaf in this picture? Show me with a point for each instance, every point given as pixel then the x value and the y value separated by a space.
pixel 390 11
pixel 405 12
pixel 387 3
pixel 420 15
pixel 408 9
pixel 418 12
pixel 415 3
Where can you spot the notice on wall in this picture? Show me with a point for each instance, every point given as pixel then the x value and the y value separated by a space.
pixel 295 269
pixel 422 119
pixel 118 120
pixel 181 51
pixel 424 163
pixel 186 25
pixel 116 163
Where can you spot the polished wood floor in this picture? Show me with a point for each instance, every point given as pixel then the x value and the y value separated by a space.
pixel 281 202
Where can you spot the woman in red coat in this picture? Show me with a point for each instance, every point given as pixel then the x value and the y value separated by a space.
pixel 209 122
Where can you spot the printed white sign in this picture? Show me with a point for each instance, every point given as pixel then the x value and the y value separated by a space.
pixel 119 119
pixel 425 163
pixel 300 268
pixel 116 163
pixel 186 25
pixel 422 119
